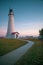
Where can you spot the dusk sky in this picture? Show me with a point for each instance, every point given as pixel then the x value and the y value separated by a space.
pixel 28 16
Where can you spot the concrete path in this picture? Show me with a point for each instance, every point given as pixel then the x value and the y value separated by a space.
pixel 14 56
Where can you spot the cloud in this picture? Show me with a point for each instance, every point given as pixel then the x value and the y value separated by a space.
pixel 30 32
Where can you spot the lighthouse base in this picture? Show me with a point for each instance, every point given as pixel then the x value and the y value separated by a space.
pixel 12 35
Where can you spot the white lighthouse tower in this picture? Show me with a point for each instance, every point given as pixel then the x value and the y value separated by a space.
pixel 10 31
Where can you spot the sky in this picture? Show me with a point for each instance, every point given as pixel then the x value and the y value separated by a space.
pixel 28 16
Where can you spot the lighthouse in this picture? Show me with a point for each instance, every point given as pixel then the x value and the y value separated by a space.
pixel 10 30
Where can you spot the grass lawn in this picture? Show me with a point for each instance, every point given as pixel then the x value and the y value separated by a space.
pixel 7 45
pixel 34 55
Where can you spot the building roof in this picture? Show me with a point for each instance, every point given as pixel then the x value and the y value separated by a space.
pixel 11 10
pixel 15 33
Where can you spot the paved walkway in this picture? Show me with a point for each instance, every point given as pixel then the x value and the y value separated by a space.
pixel 14 56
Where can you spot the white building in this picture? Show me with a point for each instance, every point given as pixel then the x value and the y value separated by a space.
pixel 10 31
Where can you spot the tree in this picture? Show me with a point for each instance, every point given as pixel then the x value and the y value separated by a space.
pixel 41 33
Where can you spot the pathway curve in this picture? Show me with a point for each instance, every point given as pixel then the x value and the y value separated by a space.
pixel 14 56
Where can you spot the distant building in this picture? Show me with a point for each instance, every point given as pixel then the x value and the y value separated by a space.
pixel 10 31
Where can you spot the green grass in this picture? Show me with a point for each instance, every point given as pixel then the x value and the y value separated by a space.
pixel 7 45
pixel 34 55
